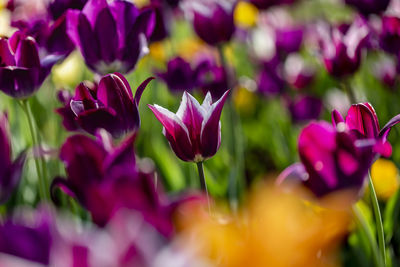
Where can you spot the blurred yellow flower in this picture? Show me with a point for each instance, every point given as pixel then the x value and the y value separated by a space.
pixel 141 3
pixel 384 175
pixel 70 72
pixel 245 15
pixel 275 229
pixel 157 51
pixel 244 99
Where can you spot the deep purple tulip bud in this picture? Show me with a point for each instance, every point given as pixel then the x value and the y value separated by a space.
pixel 194 132
pixel 331 160
pixel 179 75
pixel 342 48
pixel 305 108
pixel 22 71
pixel 265 4
pixel 390 34
pixel 211 77
pixel 213 20
pixel 367 7
pixel 270 81
pixel 110 106
pixel 10 171
pixel 362 121
pixel 111 36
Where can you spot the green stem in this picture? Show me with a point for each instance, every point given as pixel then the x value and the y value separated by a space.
pixel 203 183
pixel 378 219
pixel 349 91
pixel 362 222
pixel 35 141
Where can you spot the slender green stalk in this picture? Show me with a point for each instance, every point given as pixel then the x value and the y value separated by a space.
pixel 362 222
pixel 378 219
pixel 349 91
pixel 203 183
pixel 42 187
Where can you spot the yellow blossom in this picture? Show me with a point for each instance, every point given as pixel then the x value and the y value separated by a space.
pixel 245 15
pixel 384 175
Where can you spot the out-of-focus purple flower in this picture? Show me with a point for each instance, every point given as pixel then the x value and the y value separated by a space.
pixel 297 73
pixel 390 34
pixel 57 8
pixel 212 19
pixel 163 18
pixel 305 108
pixel 362 121
pixel 342 47
pixel 211 77
pixel 34 20
pixel 367 7
pixel 22 71
pixel 179 75
pixel 385 71
pixel 106 179
pixel 30 241
pixel 111 36
pixel 111 105
pixel 68 116
pixel 265 4
pixel 10 171
pixel 288 40
pixel 194 132
pixel 331 160
pixel 270 81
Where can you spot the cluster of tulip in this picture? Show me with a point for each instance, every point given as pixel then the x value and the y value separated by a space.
pixel 132 201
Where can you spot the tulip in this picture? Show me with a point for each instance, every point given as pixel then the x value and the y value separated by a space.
pixel 367 7
pixel 270 81
pixel 297 73
pixel 194 132
pixel 304 108
pixel 22 71
pixel 29 240
pixel 110 106
pixel 213 20
pixel 179 75
pixel 389 37
pixel 66 113
pixel 111 36
pixel 342 48
pixel 362 121
pixel 332 160
pixel 10 171
pixel 385 71
pixel 105 179
pixel 58 7
pixel 211 77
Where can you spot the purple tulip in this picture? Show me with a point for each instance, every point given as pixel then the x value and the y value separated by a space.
pixel 106 179
pixel 367 7
pixel 111 36
pixel 270 81
pixel 305 108
pixel 10 171
pixel 288 40
pixel 211 77
pixel 179 75
pixel 163 18
pixel 194 132
pixel 30 241
pixel 362 121
pixel 22 71
pixel 331 160
pixel 68 116
pixel 265 4
pixel 110 106
pixel 213 20
pixel 390 34
pixel 385 71
pixel 342 47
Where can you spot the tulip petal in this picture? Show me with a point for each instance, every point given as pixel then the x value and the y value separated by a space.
pixel 124 155
pixel 125 14
pixel 6 58
pixel 106 32
pixel 175 131
pixel 5 146
pixel 362 119
pixel 92 120
pixel 140 89
pixel 210 129
pixel 27 54
pixel 386 129
pixel 336 118
pixel 11 179
pixel 92 9
pixel 88 43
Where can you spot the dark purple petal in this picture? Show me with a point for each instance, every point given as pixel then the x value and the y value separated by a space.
pixel 92 9
pixel 305 108
pixel 140 89
pixel 106 31
pixel 6 58
pixel 362 119
pixel 289 40
pixel 27 55
pixel 336 118
pixel 386 129
pixel 88 42
pixel 92 120
pixel 19 82
pixel 211 129
pixel 179 75
pixel 125 14
pixel 367 7
pixel 58 42
pixel 10 180
pixel 68 118
pixel 123 155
